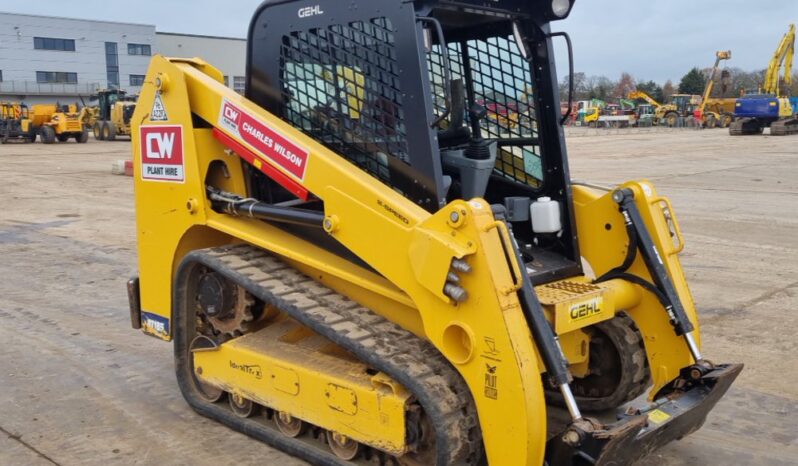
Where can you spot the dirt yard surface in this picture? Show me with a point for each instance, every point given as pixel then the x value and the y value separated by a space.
pixel 78 386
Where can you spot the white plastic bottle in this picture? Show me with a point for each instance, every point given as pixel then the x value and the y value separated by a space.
pixel 545 216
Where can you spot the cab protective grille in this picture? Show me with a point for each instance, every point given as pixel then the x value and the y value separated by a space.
pixel 342 88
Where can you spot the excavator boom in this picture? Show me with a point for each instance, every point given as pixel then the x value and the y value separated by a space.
pixel 782 57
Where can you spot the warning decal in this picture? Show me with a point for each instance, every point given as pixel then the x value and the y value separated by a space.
pixel 658 417
pixel 266 141
pixel 158 112
pixel 162 153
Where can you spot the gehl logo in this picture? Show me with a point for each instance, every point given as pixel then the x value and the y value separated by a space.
pixel 585 309
pixel 309 11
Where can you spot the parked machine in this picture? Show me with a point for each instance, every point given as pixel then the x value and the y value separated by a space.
pixel 15 123
pixel 646 115
pixel 402 282
pixel 620 115
pixel 112 115
pixel 770 108
pixel 678 106
pixel 703 114
pixel 724 107
pixel 55 122
pixel 589 111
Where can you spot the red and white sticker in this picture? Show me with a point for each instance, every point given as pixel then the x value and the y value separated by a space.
pixel 266 141
pixel 162 153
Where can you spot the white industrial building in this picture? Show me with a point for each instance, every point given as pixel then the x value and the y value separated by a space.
pixel 226 53
pixel 46 59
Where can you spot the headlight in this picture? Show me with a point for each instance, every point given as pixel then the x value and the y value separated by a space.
pixel 560 7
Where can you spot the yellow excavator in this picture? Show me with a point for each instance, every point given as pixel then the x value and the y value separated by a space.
pixel 373 273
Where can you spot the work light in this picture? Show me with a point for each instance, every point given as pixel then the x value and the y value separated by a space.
pixel 560 7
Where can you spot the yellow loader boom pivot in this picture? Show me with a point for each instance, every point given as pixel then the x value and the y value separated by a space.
pixel 366 276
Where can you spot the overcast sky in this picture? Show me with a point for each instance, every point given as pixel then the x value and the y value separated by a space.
pixel 656 40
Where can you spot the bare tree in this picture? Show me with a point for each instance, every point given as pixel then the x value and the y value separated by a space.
pixel 794 85
pixel 579 86
pixel 667 90
pixel 625 85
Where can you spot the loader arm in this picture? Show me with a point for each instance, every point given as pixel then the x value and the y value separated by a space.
pixel 412 249
pixel 451 325
pixel 642 95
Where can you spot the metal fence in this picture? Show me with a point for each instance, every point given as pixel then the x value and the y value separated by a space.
pixel 25 88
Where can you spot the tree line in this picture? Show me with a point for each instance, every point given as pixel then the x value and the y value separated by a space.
pixel 603 88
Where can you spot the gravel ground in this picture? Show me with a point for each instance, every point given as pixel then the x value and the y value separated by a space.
pixel 79 386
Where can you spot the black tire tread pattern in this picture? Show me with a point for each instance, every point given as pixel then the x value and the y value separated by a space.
pixel 635 372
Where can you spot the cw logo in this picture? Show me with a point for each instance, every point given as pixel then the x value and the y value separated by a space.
pixel 231 114
pixel 160 145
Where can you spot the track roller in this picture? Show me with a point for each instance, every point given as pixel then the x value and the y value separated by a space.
pixel 289 425
pixel 343 446
pixel 241 406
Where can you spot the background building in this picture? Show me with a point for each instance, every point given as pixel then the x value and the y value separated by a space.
pixel 46 59
pixel 226 53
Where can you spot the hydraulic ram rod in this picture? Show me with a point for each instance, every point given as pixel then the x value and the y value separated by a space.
pixel 653 259
pixel 542 333
pixel 235 205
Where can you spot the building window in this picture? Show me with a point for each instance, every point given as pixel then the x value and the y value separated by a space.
pixel 136 79
pixel 113 79
pixel 49 43
pixel 111 56
pixel 139 49
pixel 50 77
pixel 112 64
pixel 239 83
pixel 1 76
pixel 227 81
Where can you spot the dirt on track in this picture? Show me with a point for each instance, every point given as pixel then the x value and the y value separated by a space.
pixel 79 386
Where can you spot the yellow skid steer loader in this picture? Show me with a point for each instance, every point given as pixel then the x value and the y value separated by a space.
pixel 357 267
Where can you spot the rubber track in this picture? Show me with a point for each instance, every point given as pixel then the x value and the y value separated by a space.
pixel 376 341
pixel 633 382
pixel 784 127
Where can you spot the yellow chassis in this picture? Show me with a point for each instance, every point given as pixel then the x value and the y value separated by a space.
pixel 410 249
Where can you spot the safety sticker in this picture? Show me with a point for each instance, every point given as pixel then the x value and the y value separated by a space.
pixel 158 112
pixel 658 417
pixel 155 325
pixel 491 382
pixel 266 141
pixel 162 153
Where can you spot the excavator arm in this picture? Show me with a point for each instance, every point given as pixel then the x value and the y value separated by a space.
pixel 783 56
